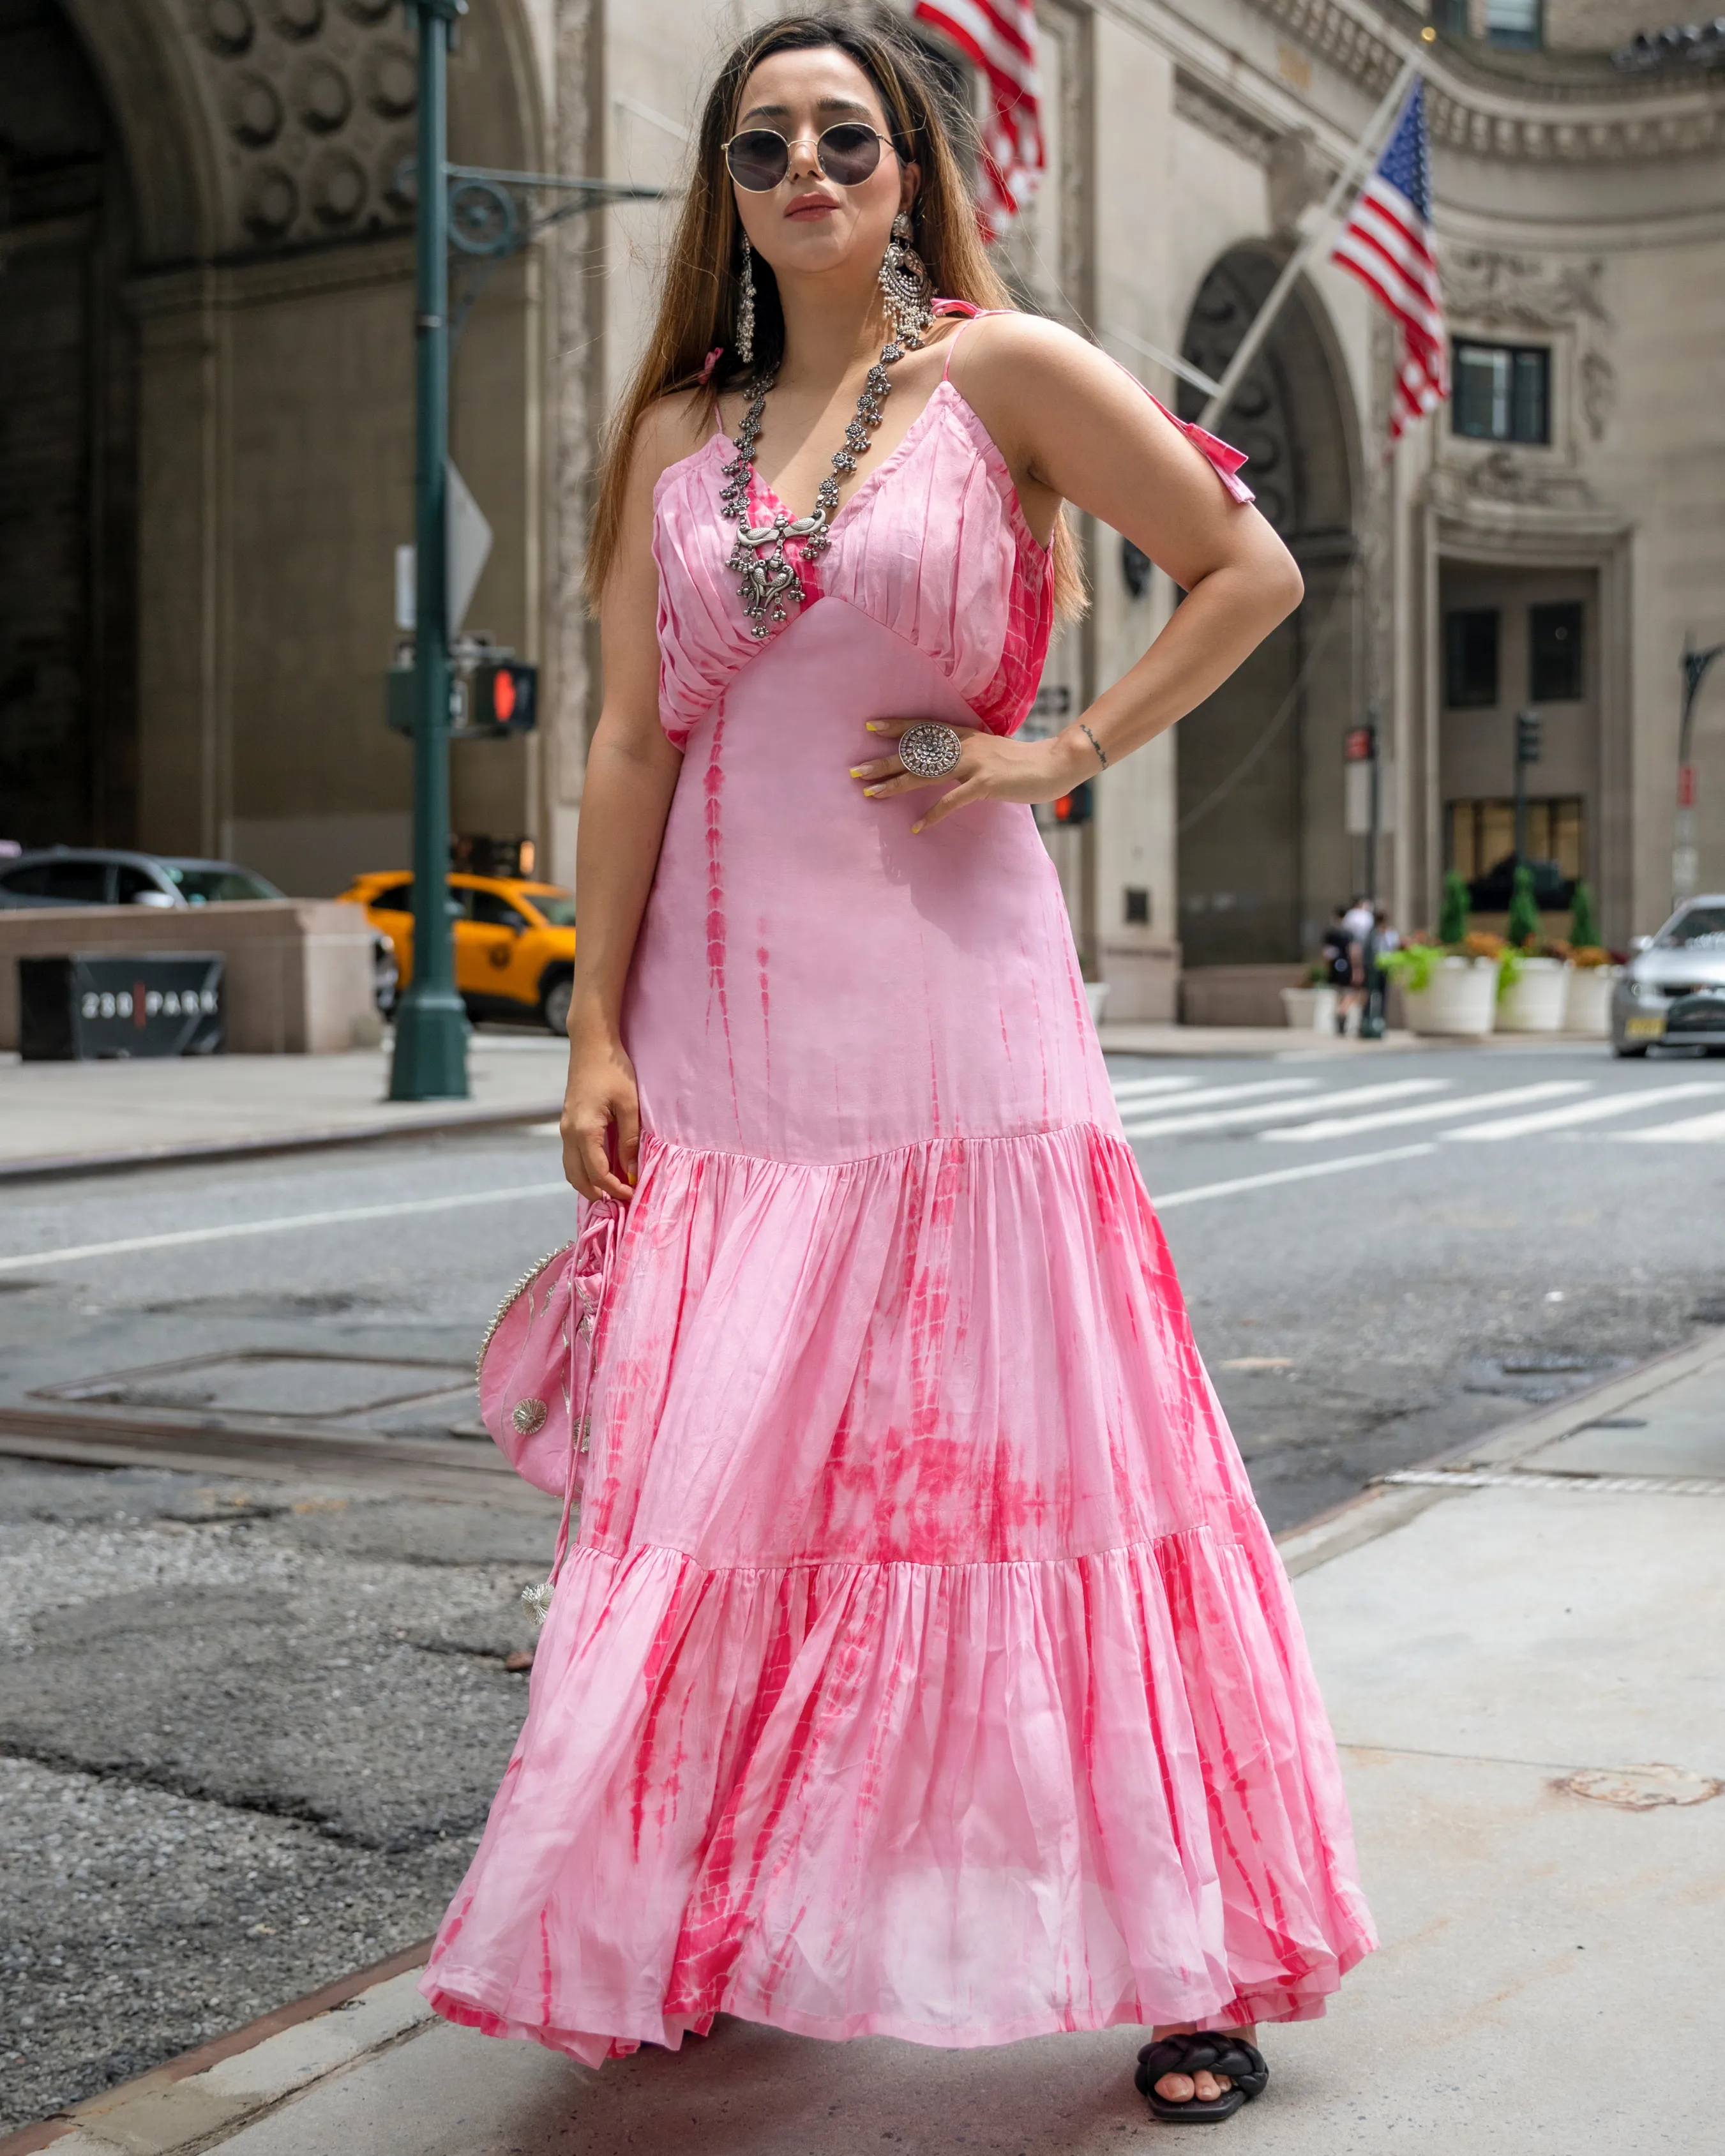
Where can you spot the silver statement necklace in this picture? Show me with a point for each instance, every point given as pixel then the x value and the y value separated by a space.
pixel 766 579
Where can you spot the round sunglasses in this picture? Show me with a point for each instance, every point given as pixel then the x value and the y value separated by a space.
pixel 847 153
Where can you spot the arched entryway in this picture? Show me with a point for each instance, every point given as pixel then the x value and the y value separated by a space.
pixel 1262 851
pixel 206 435
pixel 67 446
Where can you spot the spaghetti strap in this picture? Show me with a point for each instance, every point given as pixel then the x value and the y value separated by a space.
pixel 967 313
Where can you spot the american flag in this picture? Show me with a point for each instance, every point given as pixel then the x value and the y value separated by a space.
pixel 1388 244
pixel 999 38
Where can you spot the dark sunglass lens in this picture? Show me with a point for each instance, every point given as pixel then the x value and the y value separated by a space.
pixel 848 153
pixel 758 160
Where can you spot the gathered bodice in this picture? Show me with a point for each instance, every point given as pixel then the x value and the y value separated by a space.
pixel 932 545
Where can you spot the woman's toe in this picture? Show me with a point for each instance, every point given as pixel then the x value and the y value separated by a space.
pixel 1175 2088
pixel 1206 2088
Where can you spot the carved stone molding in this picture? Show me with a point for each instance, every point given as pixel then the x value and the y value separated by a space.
pixel 1487 289
pixel 1502 485
pixel 310 104
pixel 1222 119
pixel 1533 122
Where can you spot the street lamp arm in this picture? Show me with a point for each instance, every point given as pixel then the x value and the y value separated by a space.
pixel 1695 672
pixel 614 190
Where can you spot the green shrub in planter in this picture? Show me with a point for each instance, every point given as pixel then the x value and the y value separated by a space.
pixel 1452 914
pixel 1583 927
pixel 1413 964
pixel 1523 925
pixel 1510 966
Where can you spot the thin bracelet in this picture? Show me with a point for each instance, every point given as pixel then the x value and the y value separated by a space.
pixel 1102 755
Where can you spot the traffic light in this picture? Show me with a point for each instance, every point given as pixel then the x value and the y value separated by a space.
pixel 1527 737
pixel 1073 808
pixel 1359 745
pixel 493 695
pixel 505 697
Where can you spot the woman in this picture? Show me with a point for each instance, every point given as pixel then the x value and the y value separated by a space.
pixel 922 1666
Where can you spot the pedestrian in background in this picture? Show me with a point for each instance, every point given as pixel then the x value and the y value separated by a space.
pixel 1338 961
pixel 1344 950
pixel 1382 940
pixel 923 1666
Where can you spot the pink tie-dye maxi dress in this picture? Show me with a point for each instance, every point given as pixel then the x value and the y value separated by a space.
pixel 923 1666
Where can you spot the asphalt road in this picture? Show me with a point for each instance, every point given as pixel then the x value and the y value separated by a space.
pixel 249 1729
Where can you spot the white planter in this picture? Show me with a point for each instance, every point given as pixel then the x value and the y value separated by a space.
pixel 1587 1007
pixel 1097 994
pixel 1535 1004
pixel 1462 1000
pixel 1309 1010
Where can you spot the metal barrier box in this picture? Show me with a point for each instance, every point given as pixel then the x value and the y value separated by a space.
pixel 76 1010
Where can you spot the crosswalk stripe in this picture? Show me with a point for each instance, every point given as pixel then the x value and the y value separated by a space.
pixel 1207 1190
pixel 227 1230
pixel 1694 1130
pixel 1268 1111
pixel 1131 1089
pixel 1214 1096
pixel 1592 1111
pixel 1343 1126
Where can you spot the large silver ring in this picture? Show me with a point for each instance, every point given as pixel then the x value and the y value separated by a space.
pixel 930 749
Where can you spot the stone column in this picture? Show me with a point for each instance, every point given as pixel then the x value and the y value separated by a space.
pixel 575 396
pixel 183 750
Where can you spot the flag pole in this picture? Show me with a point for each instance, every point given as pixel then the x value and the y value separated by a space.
pixel 1300 260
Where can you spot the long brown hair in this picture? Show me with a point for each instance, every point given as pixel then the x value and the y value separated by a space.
pixel 698 309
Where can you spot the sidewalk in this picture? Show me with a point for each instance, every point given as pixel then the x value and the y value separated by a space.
pixel 1519 1649
pixel 78 1117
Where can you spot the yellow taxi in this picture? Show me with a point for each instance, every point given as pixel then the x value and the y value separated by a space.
pixel 515 940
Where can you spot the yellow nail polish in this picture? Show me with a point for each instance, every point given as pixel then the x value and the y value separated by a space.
pixel 915 829
pixel 857 772
pixel 870 791
pixel 871 727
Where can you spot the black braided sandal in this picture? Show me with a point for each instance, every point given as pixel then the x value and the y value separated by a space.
pixel 1210 2051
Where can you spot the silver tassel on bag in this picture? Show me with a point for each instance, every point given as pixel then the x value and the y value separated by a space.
pixel 905 287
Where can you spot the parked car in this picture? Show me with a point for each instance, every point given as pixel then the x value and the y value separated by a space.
pixel 515 940
pixel 1673 991
pixel 108 876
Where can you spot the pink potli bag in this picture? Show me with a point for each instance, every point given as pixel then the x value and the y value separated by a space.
pixel 536 1368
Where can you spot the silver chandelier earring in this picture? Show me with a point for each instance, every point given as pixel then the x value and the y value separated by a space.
pixel 905 287
pixel 746 307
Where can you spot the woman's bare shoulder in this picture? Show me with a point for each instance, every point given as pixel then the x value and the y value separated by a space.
pixel 671 427
pixel 1026 351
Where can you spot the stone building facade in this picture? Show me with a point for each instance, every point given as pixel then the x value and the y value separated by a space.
pixel 206 434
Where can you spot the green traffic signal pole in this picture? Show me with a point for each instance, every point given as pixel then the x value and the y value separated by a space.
pixel 430 1062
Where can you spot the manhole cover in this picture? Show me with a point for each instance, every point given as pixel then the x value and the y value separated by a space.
pixel 271 1381
pixel 1641 1788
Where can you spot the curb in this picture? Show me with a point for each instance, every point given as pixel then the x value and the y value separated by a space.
pixel 1382 1506
pixel 43 2135
pixel 59 1167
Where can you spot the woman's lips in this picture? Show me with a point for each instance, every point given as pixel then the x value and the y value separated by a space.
pixel 810 207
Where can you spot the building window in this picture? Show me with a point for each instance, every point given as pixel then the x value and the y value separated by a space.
pixel 1138 908
pixel 1470 658
pixel 1554 635
pixel 1450 15
pixel 1502 393
pixel 1518 24
pixel 1482 847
